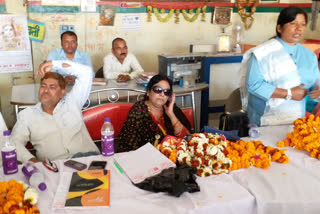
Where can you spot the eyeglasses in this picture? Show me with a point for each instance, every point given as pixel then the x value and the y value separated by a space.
pixel 158 90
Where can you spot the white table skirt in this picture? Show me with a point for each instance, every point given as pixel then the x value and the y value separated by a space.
pixel 283 188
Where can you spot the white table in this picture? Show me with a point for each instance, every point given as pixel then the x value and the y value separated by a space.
pixel 215 195
pixel 283 188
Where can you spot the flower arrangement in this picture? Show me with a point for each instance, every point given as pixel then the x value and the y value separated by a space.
pixel 243 154
pixel 213 154
pixel 206 152
pixel 17 198
pixel 305 136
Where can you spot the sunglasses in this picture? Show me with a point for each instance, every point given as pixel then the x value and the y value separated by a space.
pixel 158 90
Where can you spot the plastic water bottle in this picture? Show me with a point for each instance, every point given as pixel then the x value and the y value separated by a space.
pixel 253 131
pixel 34 176
pixel 107 138
pixel 9 155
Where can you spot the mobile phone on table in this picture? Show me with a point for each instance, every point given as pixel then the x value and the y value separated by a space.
pixel 97 165
pixel 75 165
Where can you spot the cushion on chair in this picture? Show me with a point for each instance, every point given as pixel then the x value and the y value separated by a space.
pixel 189 114
pixel 94 117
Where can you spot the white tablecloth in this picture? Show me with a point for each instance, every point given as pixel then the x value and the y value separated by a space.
pixel 283 188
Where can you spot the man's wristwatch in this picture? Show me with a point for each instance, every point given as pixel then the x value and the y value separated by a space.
pixel 289 95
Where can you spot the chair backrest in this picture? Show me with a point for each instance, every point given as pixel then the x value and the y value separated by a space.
pixel 94 117
pixel 113 95
pixel 189 114
pixel 99 73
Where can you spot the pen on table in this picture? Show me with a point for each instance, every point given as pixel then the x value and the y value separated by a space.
pixel 118 167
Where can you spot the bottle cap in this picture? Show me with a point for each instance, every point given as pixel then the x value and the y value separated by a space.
pixel 6 133
pixel 42 186
pixel 107 119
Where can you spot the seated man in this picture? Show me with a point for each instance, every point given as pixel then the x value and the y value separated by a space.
pixel 69 51
pixel 121 65
pixel 54 126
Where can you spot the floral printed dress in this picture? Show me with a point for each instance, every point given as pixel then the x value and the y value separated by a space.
pixel 140 128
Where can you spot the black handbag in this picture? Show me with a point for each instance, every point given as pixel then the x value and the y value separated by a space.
pixel 235 121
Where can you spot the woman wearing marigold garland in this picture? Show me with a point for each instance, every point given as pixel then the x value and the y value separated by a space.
pixel 151 119
pixel 280 73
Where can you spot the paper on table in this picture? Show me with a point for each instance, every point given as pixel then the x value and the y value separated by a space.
pixel 99 81
pixel 143 163
pixel 62 191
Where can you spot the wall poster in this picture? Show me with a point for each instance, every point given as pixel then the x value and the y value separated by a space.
pixel 15 48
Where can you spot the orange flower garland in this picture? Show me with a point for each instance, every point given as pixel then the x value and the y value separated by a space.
pixel 305 136
pixel 243 154
pixel 12 199
pixel 213 154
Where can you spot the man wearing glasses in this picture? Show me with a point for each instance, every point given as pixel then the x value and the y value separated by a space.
pixel 120 64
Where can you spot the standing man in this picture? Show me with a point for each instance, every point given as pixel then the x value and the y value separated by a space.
pixel 55 125
pixel 120 64
pixel 69 51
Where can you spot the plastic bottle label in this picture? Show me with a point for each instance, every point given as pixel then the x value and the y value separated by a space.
pixel 9 161
pixel 29 169
pixel 107 145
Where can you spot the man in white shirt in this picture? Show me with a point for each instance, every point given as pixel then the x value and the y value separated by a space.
pixel 120 64
pixel 55 126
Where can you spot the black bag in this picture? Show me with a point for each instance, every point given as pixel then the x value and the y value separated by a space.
pixel 235 121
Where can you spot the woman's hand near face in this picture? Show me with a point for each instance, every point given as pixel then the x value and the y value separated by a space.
pixel 169 109
pixel 298 93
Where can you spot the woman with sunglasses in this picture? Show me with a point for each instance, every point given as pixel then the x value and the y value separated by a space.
pixel 156 116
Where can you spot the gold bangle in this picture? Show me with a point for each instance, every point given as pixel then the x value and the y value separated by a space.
pixel 174 125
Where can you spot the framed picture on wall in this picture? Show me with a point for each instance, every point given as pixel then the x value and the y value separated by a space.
pixel 268 1
pixel 222 15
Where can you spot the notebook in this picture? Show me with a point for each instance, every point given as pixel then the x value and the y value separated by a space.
pixel 143 163
pixel 89 188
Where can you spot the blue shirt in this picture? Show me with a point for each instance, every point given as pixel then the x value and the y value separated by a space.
pixel 260 90
pixel 79 57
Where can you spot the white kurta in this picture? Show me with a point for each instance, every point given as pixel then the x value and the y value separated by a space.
pixel 62 134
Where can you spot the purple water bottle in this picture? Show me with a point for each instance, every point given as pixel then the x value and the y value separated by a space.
pixel 9 155
pixel 34 176
pixel 107 138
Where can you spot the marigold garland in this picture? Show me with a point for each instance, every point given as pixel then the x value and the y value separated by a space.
pixel 203 16
pixel 12 199
pixel 243 154
pixel 213 154
pixel 305 136
pixel 193 18
pixel 206 152
pixel 166 18
pixel 149 9
pixel 177 13
pixel 177 20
